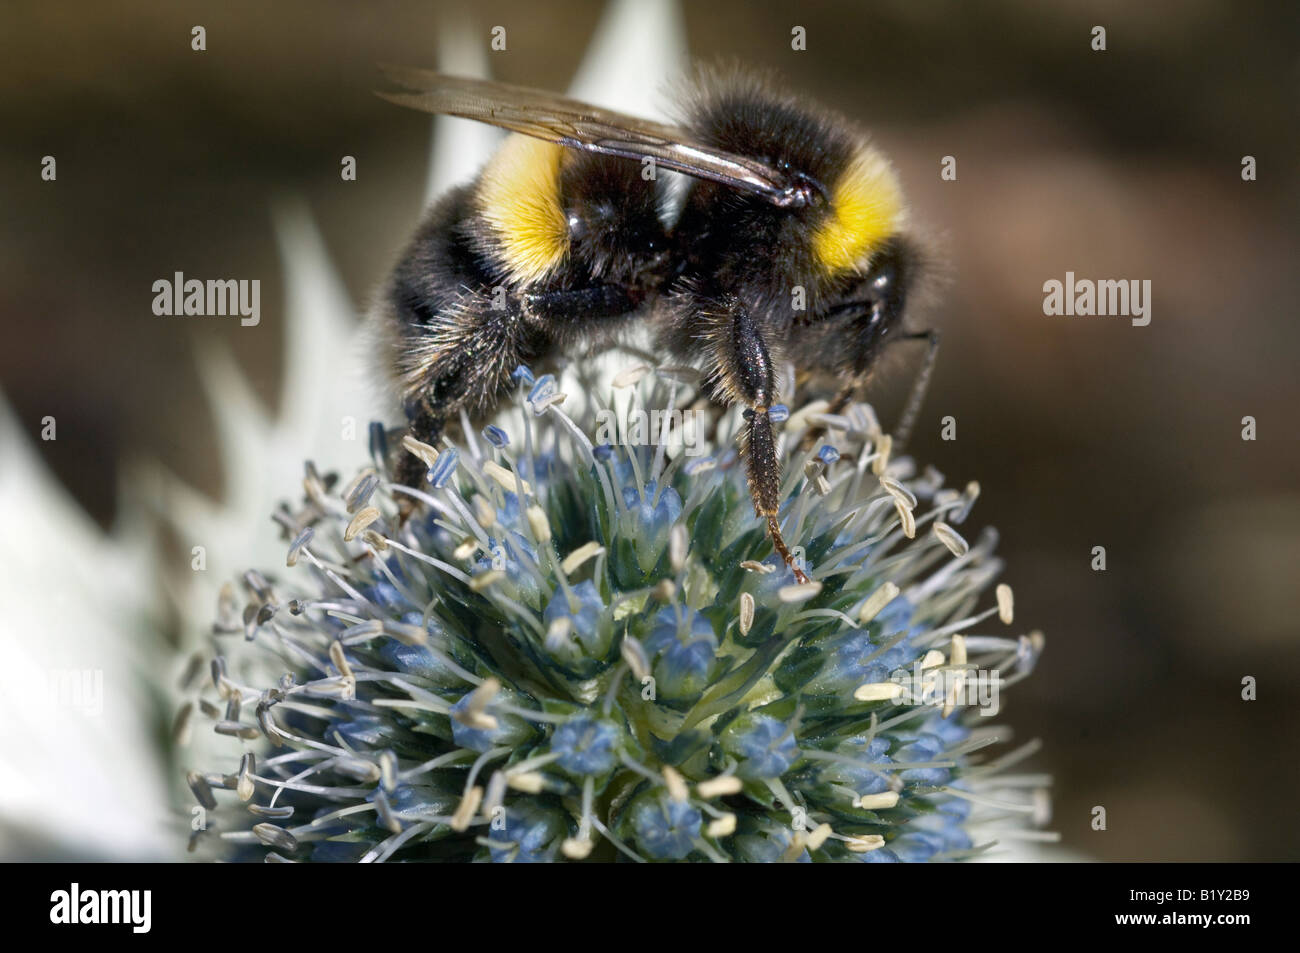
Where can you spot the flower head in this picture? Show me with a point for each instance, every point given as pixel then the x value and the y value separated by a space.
pixel 584 649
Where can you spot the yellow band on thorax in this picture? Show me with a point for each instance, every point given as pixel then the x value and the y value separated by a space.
pixel 866 209
pixel 520 197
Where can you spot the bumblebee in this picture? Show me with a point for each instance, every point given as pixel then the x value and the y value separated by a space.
pixel 792 244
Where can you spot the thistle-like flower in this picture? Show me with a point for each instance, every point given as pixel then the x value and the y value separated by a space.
pixel 581 647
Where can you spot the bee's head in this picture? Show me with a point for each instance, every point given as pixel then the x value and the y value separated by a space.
pixel 881 298
pixel 615 231
pixel 865 314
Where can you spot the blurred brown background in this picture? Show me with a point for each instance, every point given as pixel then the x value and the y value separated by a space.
pixel 1081 431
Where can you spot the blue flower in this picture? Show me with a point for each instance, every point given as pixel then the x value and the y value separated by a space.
pixel 418 660
pixel 530 836
pixel 768 844
pixel 765 747
pixel 585 614
pixel 856 767
pixel 922 747
pixel 684 654
pixel 855 659
pixel 665 829
pixel 650 516
pixel 366 731
pixel 587 746
pixel 510 729
pixel 918 846
pixel 384 593
pixel 882 855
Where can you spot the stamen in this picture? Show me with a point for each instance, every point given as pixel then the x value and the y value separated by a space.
pixel 677 789
pixel 550 400
pixel 576 849
pixel 951 538
pixel 877 802
pixel 340 661
pixel 886 594
pixel 359 522
pixel 678 542
pixel 483 580
pixel 530 782
pixel 932 659
pixel 746 613
pixel 898 492
pixel 506 479
pixel 539 524
pixel 1006 604
pixel 427 455
pixel 272 835
pixel 721 786
pixel 724 826
pixel 800 592
pixel 818 836
pixel 864 843
pixel 878 691
pixel 629 376
pixel 798 842
pixel 484 512
pixel 881 460
pixel 579 556
pixel 906 518
pixel 634 655
pixel 466 809
pixel 300 543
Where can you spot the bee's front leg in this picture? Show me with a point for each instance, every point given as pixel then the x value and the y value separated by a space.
pixel 747 375
pixel 462 361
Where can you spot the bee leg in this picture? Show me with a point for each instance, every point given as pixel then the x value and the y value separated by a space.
pixel 410 470
pixel 837 405
pixel 474 368
pixel 584 305
pixel 764 469
pixel 919 386
pixel 747 373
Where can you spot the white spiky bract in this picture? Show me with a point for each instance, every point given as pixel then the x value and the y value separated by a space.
pixel 80 774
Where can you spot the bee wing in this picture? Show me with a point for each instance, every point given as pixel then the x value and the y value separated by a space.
pixel 578 125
